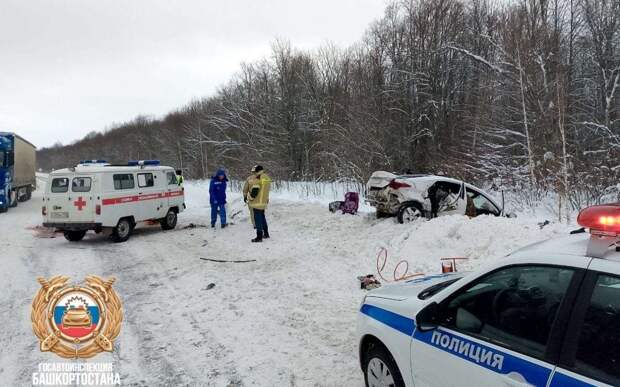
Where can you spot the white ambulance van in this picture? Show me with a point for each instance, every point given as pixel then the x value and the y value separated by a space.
pixel 98 196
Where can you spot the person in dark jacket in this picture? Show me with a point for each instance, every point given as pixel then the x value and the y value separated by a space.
pixel 217 197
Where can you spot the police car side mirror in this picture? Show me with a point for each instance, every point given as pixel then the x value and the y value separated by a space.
pixel 426 319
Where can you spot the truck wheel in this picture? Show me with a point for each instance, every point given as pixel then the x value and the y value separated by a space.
pixel 170 221
pixel 409 212
pixel 122 231
pixel 74 236
pixel 380 369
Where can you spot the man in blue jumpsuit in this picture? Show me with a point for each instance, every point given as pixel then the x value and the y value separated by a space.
pixel 217 197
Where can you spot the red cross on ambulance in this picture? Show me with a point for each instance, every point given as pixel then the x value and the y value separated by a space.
pixel 80 203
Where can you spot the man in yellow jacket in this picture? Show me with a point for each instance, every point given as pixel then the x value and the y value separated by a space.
pixel 256 195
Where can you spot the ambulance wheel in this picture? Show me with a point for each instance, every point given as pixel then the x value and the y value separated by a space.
pixel 170 221
pixel 122 231
pixel 380 368
pixel 409 212
pixel 74 236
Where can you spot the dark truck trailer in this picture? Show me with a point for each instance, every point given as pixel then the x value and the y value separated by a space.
pixel 18 159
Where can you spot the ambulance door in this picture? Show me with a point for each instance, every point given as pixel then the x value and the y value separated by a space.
pixel 57 201
pixel 174 192
pixel 161 186
pixel 81 200
pixel 148 195
pixel 119 198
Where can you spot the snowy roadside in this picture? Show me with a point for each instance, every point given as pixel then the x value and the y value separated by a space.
pixel 286 319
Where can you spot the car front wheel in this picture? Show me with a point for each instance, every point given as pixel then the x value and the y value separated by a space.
pixel 409 212
pixel 381 369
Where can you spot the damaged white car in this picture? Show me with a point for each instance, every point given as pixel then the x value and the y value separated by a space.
pixel 409 197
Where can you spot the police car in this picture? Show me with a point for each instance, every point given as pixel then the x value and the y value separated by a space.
pixel 98 196
pixel 546 315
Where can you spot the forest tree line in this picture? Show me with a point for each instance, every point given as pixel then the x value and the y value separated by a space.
pixel 520 93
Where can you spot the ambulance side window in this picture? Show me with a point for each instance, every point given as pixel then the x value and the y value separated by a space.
pixel 81 184
pixel 123 181
pixel 60 185
pixel 598 351
pixel 145 180
pixel 172 178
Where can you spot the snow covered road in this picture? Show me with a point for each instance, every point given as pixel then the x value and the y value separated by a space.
pixel 287 319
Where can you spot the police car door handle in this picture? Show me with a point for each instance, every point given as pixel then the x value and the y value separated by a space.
pixel 515 379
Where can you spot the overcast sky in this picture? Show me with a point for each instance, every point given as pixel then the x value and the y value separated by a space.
pixel 73 66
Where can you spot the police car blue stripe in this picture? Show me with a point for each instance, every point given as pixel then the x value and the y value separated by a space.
pixel 485 356
pixel 393 320
pixel 468 350
pixel 563 380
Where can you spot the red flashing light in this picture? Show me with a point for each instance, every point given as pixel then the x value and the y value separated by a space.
pixel 397 184
pixel 603 218
pixel 98 209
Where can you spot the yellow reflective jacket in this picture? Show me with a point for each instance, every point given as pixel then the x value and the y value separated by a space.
pixel 257 192
pixel 180 180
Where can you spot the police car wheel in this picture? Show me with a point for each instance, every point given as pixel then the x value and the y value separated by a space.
pixel 122 231
pixel 409 212
pixel 381 369
pixel 74 236
pixel 170 221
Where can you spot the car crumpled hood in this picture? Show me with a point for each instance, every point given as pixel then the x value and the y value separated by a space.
pixel 403 290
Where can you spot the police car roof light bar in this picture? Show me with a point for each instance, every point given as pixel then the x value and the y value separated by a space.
pixel 603 221
pixel 93 162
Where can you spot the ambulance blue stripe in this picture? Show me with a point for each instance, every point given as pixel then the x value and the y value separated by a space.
pixel 391 319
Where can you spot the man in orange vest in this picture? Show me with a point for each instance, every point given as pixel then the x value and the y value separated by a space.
pixel 256 195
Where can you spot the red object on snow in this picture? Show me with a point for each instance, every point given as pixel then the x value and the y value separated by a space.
pixel 448 265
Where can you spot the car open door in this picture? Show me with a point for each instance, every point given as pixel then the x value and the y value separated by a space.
pixel 454 204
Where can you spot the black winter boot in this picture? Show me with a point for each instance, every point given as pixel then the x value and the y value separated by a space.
pixel 266 234
pixel 259 237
